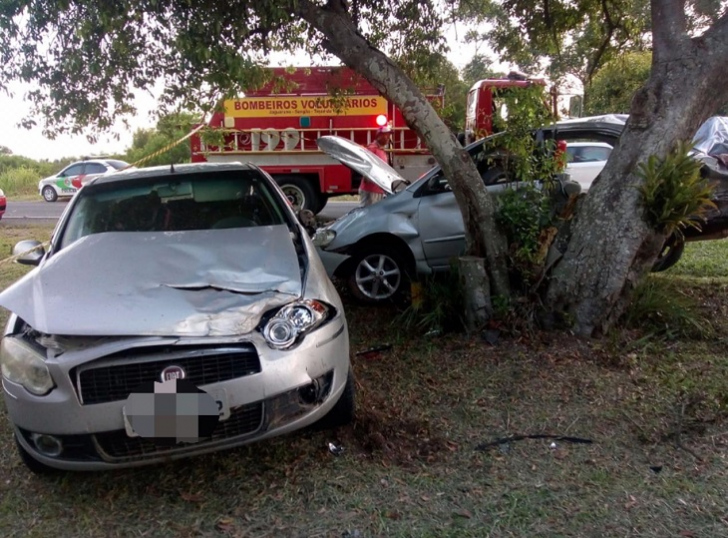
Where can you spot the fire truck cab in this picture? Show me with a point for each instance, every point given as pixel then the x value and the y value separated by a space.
pixel 276 128
pixel 483 104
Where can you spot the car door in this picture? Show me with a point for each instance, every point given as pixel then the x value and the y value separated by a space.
pixel 441 223
pixel 68 181
pixel 442 230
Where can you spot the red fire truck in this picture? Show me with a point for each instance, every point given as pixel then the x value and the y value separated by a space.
pixel 276 127
pixel 483 103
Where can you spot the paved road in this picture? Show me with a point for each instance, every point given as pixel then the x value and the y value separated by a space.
pixel 48 213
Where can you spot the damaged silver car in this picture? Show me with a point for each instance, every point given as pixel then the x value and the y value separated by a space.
pixel 417 229
pixel 178 311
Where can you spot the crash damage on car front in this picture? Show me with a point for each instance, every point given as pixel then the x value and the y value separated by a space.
pixel 245 315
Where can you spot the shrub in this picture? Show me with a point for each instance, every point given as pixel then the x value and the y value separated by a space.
pixel 674 194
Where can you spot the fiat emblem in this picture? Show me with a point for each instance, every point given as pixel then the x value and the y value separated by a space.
pixel 172 372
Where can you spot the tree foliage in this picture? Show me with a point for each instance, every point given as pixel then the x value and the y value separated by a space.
pixel 566 37
pixel 576 37
pixel 86 60
pixel 613 88
pixel 169 130
pixel 434 73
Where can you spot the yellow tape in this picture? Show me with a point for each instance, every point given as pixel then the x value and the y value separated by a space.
pixel 11 259
pixel 168 146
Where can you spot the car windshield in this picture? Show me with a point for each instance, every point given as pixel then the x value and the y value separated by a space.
pixel 230 199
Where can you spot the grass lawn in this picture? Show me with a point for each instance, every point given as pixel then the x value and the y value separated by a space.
pixel 654 409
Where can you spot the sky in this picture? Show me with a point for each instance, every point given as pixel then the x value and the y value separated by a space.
pixel 32 143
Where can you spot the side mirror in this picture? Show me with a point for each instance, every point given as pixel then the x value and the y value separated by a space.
pixel 29 252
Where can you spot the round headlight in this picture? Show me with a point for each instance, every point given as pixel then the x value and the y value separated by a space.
pixel 24 366
pixel 280 332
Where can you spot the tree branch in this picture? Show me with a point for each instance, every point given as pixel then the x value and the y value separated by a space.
pixel 669 28
pixel 603 47
pixel 550 24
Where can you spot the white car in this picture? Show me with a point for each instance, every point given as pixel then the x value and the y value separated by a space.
pixel 585 160
pixel 67 182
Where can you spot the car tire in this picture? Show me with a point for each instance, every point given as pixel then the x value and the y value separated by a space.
pixel 379 274
pixel 323 199
pixel 670 254
pixel 343 411
pixel 300 193
pixel 49 194
pixel 36 467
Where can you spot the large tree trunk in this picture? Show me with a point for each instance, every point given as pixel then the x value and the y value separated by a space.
pixel 477 206
pixel 612 247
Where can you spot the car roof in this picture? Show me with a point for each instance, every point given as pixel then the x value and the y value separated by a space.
pixel 167 171
pixel 96 160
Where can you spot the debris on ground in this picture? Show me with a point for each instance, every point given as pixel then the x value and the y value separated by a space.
pixel 373 351
pixel 506 440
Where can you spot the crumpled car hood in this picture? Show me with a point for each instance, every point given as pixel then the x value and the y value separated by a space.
pixel 193 283
pixel 363 161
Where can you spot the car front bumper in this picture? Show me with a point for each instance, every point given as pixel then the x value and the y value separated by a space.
pixel 331 260
pixel 291 390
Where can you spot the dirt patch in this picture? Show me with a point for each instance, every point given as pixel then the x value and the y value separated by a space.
pixel 396 440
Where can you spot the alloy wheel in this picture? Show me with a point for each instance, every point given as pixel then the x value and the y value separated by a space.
pixel 378 276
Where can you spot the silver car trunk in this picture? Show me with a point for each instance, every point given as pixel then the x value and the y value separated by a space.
pixel 191 283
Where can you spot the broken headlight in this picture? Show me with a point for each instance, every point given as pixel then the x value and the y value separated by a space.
pixel 323 237
pixel 282 330
pixel 25 366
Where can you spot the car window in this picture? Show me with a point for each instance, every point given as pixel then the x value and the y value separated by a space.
pixel 437 183
pixel 572 154
pixel 595 153
pixel 485 163
pixel 73 170
pixel 95 168
pixel 230 199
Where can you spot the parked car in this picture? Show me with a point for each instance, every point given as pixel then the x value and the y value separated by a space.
pixel 418 229
pixel 3 203
pixel 585 160
pixel 710 149
pixel 67 182
pixel 195 281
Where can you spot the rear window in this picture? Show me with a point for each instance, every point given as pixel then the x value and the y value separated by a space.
pixel 595 153
pixel 231 199
pixel 118 164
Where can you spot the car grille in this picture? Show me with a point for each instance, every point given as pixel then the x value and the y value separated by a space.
pixel 117 446
pixel 113 382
